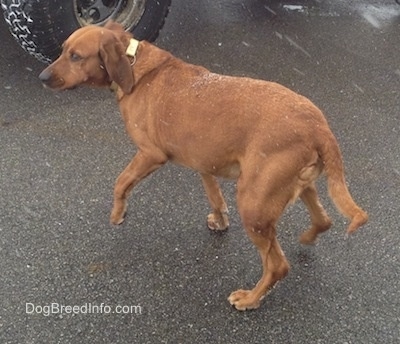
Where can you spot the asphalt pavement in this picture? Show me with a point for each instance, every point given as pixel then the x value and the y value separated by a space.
pixel 162 276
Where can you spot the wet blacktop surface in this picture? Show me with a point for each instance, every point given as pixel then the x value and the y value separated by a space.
pixel 162 276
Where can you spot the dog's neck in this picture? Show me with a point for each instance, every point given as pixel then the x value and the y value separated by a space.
pixel 148 58
pixel 145 58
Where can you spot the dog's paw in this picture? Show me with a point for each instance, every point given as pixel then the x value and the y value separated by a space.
pixel 118 212
pixel 308 238
pixel 244 300
pixel 116 220
pixel 118 215
pixel 218 222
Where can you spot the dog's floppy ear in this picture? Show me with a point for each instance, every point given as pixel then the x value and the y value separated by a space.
pixel 117 64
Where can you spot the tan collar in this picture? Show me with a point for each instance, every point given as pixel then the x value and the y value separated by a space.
pixel 132 48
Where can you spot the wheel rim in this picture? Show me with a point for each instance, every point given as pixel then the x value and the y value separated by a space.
pixel 125 12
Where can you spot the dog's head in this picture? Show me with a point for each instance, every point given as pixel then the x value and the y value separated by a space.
pixel 93 56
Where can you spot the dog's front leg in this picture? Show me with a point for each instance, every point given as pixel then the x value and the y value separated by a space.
pixel 140 167
pixel 218 219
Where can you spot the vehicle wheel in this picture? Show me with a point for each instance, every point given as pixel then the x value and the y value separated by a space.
pixel 41 27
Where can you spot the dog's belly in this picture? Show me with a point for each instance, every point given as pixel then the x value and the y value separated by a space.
pixel 231 171
pixel 228 170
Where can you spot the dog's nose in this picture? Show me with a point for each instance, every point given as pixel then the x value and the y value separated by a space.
pixel 45 75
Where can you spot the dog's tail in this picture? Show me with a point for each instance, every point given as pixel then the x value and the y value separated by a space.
pixel 338 191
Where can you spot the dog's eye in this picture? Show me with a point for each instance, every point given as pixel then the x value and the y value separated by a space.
pixel 75 57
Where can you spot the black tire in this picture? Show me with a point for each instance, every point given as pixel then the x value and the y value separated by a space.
pixel 41 26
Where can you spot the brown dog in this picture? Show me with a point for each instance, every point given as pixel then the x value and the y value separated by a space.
pixel 273 141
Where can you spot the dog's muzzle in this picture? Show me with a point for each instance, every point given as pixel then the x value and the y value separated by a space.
pixel 45 76
pixel 49 80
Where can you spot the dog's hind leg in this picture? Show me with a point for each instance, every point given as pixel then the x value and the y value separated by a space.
pixel 320 221
pixel 218 219
pixel 275 268
pixel 260 207
pixel 140 167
